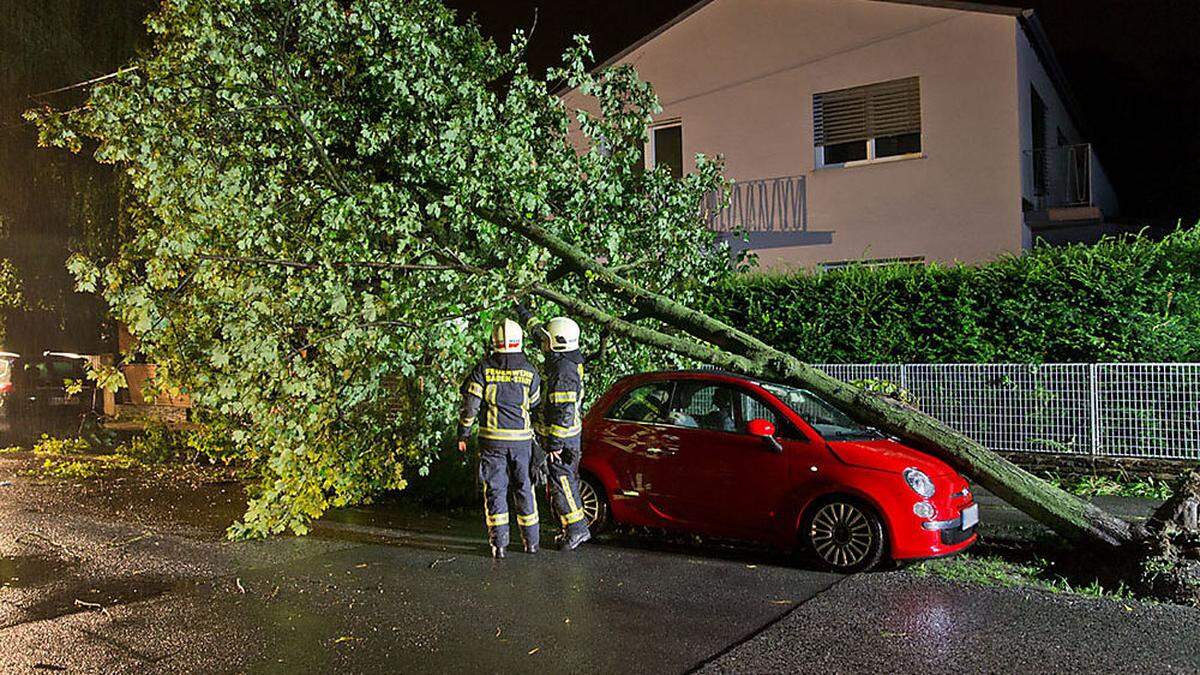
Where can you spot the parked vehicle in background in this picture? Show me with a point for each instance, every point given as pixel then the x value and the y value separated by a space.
pixel 36 399
pixel 729 456
pixel 6 388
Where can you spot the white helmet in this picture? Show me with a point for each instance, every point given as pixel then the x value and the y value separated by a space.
pixel 564 334
pixel 506 337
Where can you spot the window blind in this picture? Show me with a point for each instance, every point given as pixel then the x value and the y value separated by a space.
pixel 870 111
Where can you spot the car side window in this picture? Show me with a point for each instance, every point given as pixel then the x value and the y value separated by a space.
pixel 647 403
pixel 703 405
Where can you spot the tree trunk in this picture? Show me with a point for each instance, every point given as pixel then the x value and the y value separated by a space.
pixel 1073 518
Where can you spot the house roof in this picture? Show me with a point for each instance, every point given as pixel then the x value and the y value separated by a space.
pixel 1025 17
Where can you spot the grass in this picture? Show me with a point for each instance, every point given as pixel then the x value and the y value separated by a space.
pixel 1038 573
pixel 1096 485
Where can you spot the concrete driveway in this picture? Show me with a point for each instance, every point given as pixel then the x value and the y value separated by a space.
pixel 132 575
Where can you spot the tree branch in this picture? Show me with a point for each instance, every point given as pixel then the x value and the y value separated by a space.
pixel 281 262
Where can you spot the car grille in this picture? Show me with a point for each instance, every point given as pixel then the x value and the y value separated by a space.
pixel 956 535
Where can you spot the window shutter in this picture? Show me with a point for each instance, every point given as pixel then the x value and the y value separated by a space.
pixel 871 111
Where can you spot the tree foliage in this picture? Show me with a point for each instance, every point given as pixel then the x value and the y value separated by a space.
pixel 10 292
pixel 322 195
pixel 1124 300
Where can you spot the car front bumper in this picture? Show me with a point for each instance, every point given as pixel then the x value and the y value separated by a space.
pixel 938 538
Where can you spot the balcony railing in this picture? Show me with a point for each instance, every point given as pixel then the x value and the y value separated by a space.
pixel 763 205
pixel 1062 177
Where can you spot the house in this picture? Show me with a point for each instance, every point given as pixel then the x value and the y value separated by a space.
pixel 874 130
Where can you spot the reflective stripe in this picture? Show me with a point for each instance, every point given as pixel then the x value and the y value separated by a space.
pixel 525 408
pixel 566 486
pixel 525 521
pixel 576 513
pixel 500 434
pixel 490 400
pixel 534 397
pixel 475 389
pixel 563 397
pixel 466 421
pixel 572 517
pixel 496 520
pixel 564 432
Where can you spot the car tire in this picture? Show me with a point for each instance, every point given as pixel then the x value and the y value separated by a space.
pixel 594 503
pixel 843 535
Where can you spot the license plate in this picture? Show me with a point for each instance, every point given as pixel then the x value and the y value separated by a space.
pixel 970 516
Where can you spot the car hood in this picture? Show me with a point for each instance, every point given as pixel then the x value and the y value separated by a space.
pixel 886 454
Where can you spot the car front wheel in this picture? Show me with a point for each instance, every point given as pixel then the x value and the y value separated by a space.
pixel 844 535
pixel 595 506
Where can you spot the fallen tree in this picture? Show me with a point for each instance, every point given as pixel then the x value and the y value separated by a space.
pixel 334 198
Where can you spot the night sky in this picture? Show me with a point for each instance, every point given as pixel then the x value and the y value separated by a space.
pixel 1134 66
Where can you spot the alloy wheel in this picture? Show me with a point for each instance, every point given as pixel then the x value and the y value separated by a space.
pixel 842 535
pixel 590 502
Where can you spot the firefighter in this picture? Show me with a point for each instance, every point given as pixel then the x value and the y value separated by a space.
pixel 506 389
pixel 561 425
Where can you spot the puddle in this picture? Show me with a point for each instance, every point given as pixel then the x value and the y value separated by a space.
pixel 29 571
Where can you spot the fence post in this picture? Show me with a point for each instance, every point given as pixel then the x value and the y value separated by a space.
pixel 1094 409
pixel 904 377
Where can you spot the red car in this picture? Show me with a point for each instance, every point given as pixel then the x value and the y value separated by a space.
pixel 730 456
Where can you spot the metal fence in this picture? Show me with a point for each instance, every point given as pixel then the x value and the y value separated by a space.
pixel 1147 410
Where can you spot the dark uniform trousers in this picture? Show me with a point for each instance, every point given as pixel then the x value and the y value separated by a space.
pixel 503 467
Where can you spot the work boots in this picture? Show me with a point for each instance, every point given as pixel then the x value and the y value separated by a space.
pixel 497 552
pixel 572 542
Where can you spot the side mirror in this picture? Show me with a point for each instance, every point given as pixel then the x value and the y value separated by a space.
pixel 766 431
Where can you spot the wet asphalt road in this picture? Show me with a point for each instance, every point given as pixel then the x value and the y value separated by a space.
pixel 897 623
pixel 132 575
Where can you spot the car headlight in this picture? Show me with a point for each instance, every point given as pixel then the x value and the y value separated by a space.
pixel 919 482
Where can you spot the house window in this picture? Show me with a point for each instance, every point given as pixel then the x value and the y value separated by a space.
pixel 1037 112
pixel 876 122
pixel 666 148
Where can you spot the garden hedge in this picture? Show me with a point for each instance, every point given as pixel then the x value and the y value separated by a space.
pixel 1132 299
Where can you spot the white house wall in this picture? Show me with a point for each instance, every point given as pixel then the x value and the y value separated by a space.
pixel 741 74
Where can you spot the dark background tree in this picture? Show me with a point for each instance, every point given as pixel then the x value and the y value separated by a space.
pixel 51 201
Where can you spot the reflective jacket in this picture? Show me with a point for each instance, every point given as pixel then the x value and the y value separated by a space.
pixel 562 420
pixel 504 388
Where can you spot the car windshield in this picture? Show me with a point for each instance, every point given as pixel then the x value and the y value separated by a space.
pixel 829 421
